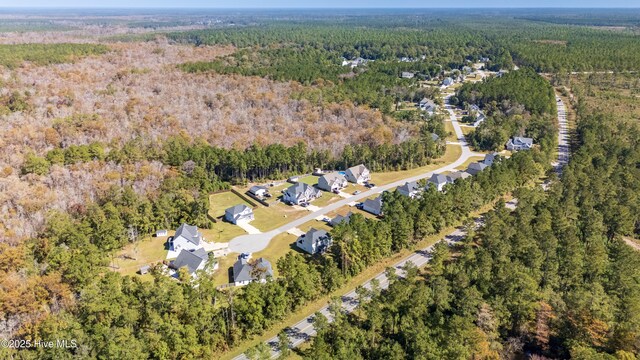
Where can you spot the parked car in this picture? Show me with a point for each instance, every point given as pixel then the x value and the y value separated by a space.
pixel 359 206
pixel 304 204
pixel 336 191
pixel 357 192
pixel 267 195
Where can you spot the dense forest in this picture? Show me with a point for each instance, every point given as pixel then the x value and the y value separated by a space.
pixel 137 320
pixel 553 279
pixel 43 54
pixel 519 103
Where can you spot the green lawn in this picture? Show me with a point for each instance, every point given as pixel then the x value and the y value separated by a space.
pixel 326 199
pixel 221 276
pixel 147 251
pixel 309 179
pixel 448 126
pixel 274 216
pixel 278 247
pixel 222 201
pixel 467 129
pixel 221 232
pixel 452 154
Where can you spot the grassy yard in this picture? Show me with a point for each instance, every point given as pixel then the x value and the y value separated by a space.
pixel 278 247
pixel 222 201
pixel 453 152
pixel 326 199
pixel 221 276
pixel 221 232
pixel 467 129
pixel 320 225
pixel 309 179
pixel 150 250
pixel 448 127
pixel 274 216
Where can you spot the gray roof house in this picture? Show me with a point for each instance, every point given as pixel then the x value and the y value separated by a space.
pixel 439 181
pixel 314 241
pixel 332 181
pixel 490 158
pixel 339 219
pixel 407 75
pixel 358 174
pixel 519 143
pixel 373 206
pixel 448 81
pixel 300 193
pixel 259 191
pixel 187 237
pixel 428 105
pixel 458 175
pixel 238 213
pixel 193 260
pixel 435 137
pixel 410 189
pixel 476 167
pixel 245 271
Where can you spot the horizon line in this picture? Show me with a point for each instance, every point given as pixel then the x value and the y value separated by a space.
pixel 305 8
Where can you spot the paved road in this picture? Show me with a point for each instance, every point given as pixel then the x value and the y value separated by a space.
pixel 304 330
pixel 255 242
pixel 563 136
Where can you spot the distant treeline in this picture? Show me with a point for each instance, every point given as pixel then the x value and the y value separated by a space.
pixel 45 54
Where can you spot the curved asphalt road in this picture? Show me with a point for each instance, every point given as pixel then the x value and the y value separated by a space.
pixel 255 242
pixel 304 330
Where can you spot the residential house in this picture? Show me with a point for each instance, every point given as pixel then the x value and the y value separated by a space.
pixel 410 189
pixel 358 174
pixel 315 241
pixel 428 105
pixel 373 206
pixel 467 70
pixel 479 120
pixel 238 214
pixel 332 181
pixel 187 237
pixel 519 143
pixel 193 260
pixel 300 193
pixel 339 219
pixel 458 175
pixel 490 158
pixel 476 167
pixel 439 181
pixel 246 271
pixel 447 82
pixel 407 75
pixel 258 191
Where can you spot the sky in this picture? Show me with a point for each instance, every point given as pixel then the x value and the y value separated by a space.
pixel 319 3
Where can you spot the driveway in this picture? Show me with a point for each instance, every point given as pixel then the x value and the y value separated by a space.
pixel 250 229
